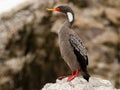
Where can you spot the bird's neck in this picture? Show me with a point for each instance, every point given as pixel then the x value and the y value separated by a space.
pixel 70 18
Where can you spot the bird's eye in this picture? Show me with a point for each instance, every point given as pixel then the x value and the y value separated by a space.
pixel 57 9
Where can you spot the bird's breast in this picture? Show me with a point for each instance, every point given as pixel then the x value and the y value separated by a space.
pixel 64 44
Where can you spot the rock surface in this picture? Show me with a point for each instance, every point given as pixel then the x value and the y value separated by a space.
pixel 80 84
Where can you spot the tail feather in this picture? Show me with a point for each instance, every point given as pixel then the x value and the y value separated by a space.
pixel 86 76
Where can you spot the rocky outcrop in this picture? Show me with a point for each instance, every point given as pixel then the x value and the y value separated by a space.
pixel 80 84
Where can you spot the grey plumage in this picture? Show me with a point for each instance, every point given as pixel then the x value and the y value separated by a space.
pixel 65 47
pixel 69 41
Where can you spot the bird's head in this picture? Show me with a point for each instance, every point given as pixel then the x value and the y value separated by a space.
pixel 66 10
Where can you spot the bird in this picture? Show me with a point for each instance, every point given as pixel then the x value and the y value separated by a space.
pixel 72 48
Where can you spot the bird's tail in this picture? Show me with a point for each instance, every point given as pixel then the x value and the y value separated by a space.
pixel 86 75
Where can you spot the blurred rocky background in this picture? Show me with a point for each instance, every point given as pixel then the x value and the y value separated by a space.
pixel 29 52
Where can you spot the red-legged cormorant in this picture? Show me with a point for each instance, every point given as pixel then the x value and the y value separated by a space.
pixel 71 46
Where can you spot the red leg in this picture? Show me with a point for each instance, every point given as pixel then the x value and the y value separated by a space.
pixel 61 77
pixel 74 74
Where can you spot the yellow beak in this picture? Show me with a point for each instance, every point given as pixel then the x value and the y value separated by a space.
pixel 50 9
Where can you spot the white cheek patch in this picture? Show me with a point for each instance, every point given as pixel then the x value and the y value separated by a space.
pixel 70 16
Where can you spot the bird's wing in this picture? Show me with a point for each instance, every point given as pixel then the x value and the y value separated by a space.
pixel 79 48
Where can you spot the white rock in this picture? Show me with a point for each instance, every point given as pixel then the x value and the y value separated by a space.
pixel 80 84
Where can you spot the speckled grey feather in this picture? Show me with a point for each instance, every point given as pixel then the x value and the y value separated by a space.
pixel 67 37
